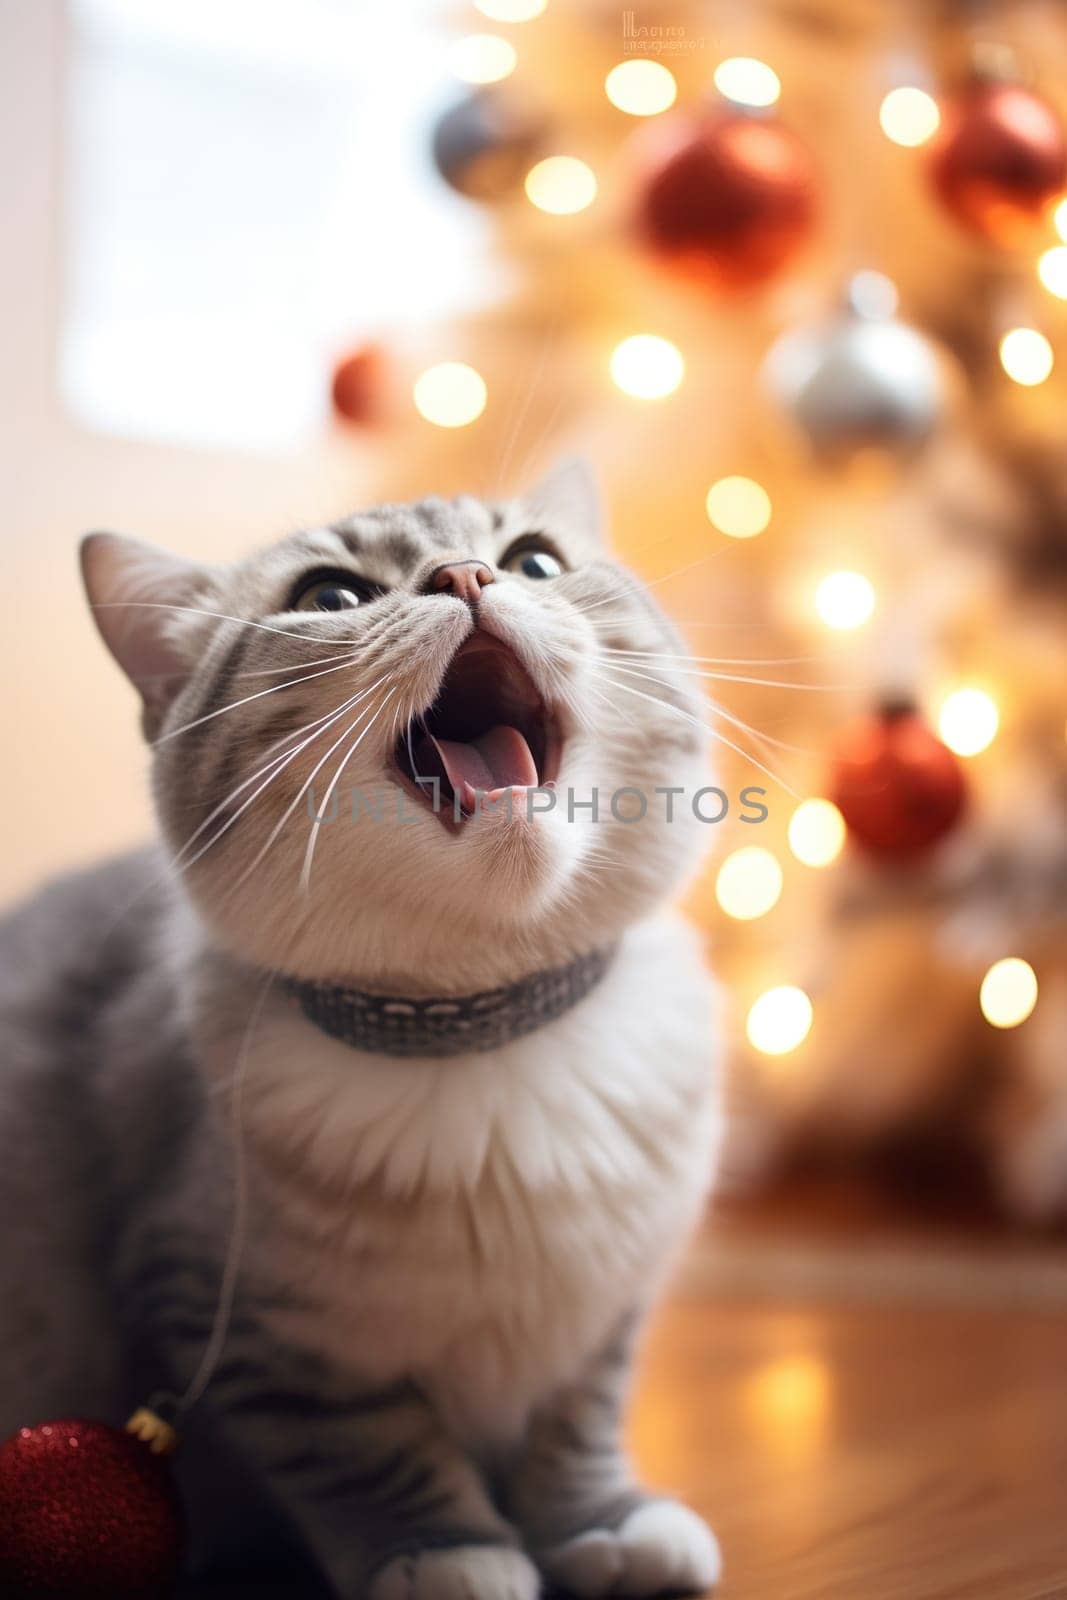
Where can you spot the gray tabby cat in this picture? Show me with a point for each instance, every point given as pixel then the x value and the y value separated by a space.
pixel 451 1214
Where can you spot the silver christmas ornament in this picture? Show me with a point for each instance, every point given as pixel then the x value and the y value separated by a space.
pixel 860 380
pixel 484 145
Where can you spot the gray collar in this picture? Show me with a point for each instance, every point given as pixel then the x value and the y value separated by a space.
pixel 396 1025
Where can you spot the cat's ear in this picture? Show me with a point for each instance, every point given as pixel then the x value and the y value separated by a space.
pixel 567 500
pixel 137 594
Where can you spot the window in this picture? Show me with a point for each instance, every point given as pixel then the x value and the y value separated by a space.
pixel 248 188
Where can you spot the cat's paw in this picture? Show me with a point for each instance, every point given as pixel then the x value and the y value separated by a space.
pixel 662 1548
pixel 467 1572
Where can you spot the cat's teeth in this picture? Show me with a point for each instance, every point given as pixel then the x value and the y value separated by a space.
pixel 472 800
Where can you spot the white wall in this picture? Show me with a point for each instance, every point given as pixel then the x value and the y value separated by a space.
pixel 74 769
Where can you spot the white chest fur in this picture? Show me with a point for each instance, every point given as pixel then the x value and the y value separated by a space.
pixel 484 1221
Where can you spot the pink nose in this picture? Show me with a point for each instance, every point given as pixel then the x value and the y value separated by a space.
pixel 464 579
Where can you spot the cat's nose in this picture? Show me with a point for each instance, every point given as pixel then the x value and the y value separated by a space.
pixel 464 579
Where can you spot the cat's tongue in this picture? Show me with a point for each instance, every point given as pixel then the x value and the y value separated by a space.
pixel 499 759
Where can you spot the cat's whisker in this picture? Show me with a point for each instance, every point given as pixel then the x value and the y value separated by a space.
pixel 248 698
pixel 719 710
pixel 716 733
pixel 176 863
pixel 711 661
pixel 653 583
pixel 537 442
pixel 570 701
pixel 305 871
pixel 732 677
pixel 279 764
pixel 265 849
pixel 299 666
pixel 618 595
pixel 528 390
pixel 223 616
pixel 746 625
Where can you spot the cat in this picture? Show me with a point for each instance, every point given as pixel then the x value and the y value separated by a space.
pixel 255 1160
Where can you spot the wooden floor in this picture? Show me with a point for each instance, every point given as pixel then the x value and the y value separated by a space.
pixel 865 1404
pixel 848 1452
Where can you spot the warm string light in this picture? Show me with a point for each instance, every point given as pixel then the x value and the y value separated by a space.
pixel 845 600
pixel 647 367
pixel 749 883
pixel 747 82
pixel 739 507
pixel 1008 993
pixel 450 395
pixel 790 1400
pixel 483 58
pixel 909 116
pixel 1052 270
pixel 641 88
pixel 968 721
pixel 816 833
pixel 561 185
pixel 1026 356
pixel 779 1021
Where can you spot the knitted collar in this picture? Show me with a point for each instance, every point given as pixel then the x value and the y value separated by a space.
pixel 396 1025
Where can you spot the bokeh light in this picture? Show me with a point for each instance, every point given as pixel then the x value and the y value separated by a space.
pixel 779 1021
pixel 647 366
pixel 1059 219
pixel 561 185
pixel 845 600
pixel 1026 356
pixel 749 883
pixel 909 116
pixel 816 833
pixel 872 295
pixel 450 394
pixel 641 88
pixel 747 82
pixel 968 721
pixel 1009 992
pixel 789 1399
pixel 511 10
pixel 738 506
pixel 1052 270
pixel 483 58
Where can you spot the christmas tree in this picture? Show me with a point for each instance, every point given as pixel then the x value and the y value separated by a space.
pixel 792 278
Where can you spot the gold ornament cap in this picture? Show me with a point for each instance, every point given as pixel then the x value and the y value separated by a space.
pixel 151 1429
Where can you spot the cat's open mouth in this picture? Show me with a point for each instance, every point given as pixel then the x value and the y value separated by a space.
pixel 487 732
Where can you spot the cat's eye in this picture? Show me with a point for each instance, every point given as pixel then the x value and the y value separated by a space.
pixel 532 560
pixel 327 591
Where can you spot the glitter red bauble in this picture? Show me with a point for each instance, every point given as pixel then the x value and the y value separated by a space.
pixel 726 200
pixel 358 385
pixel 999 160
pixel 899 789
pixel 86 1513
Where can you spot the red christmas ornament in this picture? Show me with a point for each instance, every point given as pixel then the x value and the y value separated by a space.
pixel 358 385
pixel 87 1512
pixel 999 160
pixel 899 789
pixel 726 200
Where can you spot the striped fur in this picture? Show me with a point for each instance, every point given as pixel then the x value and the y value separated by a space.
pixel 446 1263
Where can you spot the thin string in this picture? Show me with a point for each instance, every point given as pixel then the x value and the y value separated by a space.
pixel 223 1317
